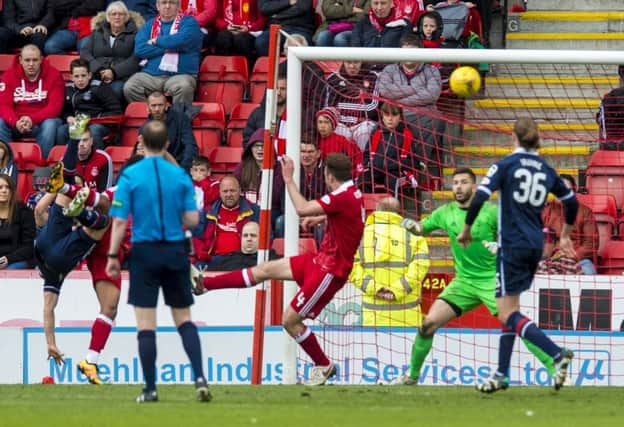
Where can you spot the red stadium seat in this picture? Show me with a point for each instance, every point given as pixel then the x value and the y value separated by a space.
pixel 258 79
pixel 224 159
pixel 605 175
pixel 236 124
pixel 118 155
pixel 306 245
pixel 223 79
pixel 209 126
pixel 604 208
pixel 135 115
pixel 612 260
pixel 27 156
pixel 56 153
pixel 61 63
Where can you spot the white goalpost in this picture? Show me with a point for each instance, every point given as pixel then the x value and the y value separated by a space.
pixel 559 99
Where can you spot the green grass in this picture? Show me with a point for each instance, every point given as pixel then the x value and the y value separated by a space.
pixel 344 406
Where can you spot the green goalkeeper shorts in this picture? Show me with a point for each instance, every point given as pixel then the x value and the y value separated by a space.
pixel 466 295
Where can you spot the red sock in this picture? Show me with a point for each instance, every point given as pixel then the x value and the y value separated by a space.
pixel 71 190
pixel 309 344
pixel 100 331
pixel 233 279
pixel 93 198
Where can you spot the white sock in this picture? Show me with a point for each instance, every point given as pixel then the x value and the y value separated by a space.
pixel 92 356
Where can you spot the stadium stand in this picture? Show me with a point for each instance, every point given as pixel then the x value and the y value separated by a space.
pixel 223 79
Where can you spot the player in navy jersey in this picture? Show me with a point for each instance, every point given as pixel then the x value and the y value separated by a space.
pixel 524 180
pixel 319 275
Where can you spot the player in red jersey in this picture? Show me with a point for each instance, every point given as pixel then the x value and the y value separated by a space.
pixel 319 275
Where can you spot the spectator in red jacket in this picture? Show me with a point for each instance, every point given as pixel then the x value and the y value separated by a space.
pixel 223 221
pixel 31 99
pixel 206 187
pixel 331 142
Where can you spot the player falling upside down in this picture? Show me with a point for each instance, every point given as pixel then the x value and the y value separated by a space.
pixel 524 180
pixel 59 248
pixel 320 275
pixel 475 270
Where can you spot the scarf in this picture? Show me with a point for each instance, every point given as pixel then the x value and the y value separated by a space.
pixel 279 141
pixel 394 19
pixel 191 8
pixel 169 61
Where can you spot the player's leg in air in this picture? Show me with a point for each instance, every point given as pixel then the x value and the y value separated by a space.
pixel 459 297
pixel 108 291
pixel 516 278
pixel 307 303
pixel 59 248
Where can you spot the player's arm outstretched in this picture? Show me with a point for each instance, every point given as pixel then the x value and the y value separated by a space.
pixel 50 299
pixel 304 207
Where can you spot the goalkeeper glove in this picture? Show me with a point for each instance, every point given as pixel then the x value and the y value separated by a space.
pixel 492 247
pixel 76 129
pixel 412 226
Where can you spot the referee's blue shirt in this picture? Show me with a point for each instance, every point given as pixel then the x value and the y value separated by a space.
pixel 156 193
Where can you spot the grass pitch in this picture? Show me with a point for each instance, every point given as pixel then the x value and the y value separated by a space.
pixel 344 406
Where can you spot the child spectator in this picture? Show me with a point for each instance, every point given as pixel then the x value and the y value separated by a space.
pixel 329 141
pixel 7 162
pixel 389 156
pixel 90 97
pixel 41 176
pixel 206 188
pixel 429 29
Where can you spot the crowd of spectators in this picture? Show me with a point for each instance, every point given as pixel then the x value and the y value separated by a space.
pixel 150 51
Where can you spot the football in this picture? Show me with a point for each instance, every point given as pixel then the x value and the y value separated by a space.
pixel 465 81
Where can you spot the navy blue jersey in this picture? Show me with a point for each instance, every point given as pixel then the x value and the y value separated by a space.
pixel 523 180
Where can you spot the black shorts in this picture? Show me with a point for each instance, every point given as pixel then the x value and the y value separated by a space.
pixel 515 269
pixel 160 265
pixel 58 248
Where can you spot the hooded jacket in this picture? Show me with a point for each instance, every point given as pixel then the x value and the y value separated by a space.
pixel 39 99
pixel 10 168
pixel 18 14
pixel 390 258
pixel 278 180
pixel 120 56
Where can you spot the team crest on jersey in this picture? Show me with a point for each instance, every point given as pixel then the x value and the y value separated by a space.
pixel 326 199
pixel 95 171
pixel 2 86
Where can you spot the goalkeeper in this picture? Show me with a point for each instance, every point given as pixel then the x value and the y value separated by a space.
pixel 475 270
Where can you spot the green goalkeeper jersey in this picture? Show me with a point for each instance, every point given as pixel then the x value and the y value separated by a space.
pixel 475 262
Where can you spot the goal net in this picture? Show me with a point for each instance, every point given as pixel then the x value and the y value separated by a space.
pixel 410 140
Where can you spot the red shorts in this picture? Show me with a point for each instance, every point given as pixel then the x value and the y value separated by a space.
pixel 316 287
pixel 96 263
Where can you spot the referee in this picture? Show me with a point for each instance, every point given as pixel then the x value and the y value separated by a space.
pixel 159 197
